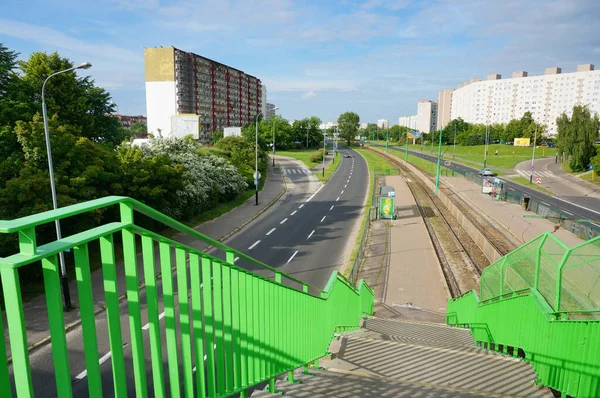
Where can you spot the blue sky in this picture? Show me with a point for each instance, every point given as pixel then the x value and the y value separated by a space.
pixel 322 58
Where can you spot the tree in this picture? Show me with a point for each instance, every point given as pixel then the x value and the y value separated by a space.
pixel 76 101
pixel 216 136
pixel 138 128
pixel 577 135
pixel 348 123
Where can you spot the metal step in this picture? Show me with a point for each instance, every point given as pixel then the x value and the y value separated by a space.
pixel 482 372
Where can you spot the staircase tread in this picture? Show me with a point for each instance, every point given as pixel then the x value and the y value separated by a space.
pixel 413 321
pixel 339 383
pixel 374 335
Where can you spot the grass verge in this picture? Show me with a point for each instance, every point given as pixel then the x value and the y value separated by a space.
pixel 525 181
pixel 374 161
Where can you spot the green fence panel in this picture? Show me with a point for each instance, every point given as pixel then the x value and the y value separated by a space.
pixel 237 330
pixel 548 307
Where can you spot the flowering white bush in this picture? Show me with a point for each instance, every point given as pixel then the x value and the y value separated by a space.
pixel 209 179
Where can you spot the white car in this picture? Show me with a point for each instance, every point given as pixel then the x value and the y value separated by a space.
pixel 486 172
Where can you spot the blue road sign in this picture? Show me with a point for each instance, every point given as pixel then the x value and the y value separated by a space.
pixel 532 168
pixel 416 134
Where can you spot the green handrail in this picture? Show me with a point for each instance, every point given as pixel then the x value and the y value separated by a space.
pixel 543 301
pixel 250 328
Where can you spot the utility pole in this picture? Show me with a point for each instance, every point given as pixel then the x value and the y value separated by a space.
pixel 387 134
pixel 406 151
pixel 437 171
pixel 485 147
pixel 533 155
pixel 325 135
pixel 454 156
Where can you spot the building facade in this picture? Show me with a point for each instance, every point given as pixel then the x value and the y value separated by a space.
pixel 127 121
pixel 408 121
pixel 444 108
pixel 193 90
pixel 498 100
pixel 383 123
pixel 270 111
pixel 426 116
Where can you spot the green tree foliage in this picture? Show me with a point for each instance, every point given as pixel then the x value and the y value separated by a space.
pixel 241 153
pixel 216 136
pixel 577 135
pixel 348 123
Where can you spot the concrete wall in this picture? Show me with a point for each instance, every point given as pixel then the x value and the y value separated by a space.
pixel 160 106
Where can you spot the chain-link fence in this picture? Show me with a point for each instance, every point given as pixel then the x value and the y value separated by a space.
pixel 353 277
pixel 567 278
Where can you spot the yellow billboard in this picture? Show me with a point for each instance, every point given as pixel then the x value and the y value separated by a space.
pixel 522 141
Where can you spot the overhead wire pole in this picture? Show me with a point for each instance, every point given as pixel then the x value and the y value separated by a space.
pixel 324 149
pixel 387 136
pixel 256 175
pixel 437 171
pixel 485 147
pixel 406 151
pixel 533 155
pixel 454 155
pixel 274 116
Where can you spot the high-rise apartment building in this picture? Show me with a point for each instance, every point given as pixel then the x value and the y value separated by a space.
pixel 364 125
pixel 498 100
pixel 426 116
pixel 185 89
pixel 408 121
pixel 444 107
pixel 383 123
pixel 270 111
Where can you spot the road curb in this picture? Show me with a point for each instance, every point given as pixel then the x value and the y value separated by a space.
pixel 69 327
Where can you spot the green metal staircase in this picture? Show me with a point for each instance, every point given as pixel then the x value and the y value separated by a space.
pixel 541 303
pixel 249 328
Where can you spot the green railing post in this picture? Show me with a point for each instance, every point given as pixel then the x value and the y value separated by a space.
pixel 111 294
pixel 88 324
pixel 538 260
pixel 133 301
pixel 195 283
pixel 5 390
pixel 56 322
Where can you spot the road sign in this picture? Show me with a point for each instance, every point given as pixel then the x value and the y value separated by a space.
pixel 391 194
pixel 538 180
pixel 532 168
pixel 386 207
pixel 256 175
pixel 447 163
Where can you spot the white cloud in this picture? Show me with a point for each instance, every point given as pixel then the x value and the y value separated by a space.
pixel 308 95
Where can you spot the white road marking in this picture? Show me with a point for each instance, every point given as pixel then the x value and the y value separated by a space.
pixel 235 259
pixel 83 374
pixel 574 204
pixel 160 316
pixel 510 189
pixel 294 212
pixel 322 218
pixel 348 181
pixel 571 214
pixel 311 234
pixel 284 220
pixel 301 206
pixel 345 185
pixel 313 195
pixel 293 255
pixel 337 199
pixel 595 224
pixel 331 208
pixel 544 203
pixel 254 245
pixel 271 231
pixel 342 192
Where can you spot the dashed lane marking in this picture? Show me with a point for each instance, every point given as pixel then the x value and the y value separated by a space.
pixel 293 255
pixel 271 231
pixel 254 245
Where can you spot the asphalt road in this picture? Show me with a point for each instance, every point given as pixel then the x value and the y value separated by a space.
pixel 305 235
pixel 571 206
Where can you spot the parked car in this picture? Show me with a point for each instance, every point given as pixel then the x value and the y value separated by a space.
pixel 486 172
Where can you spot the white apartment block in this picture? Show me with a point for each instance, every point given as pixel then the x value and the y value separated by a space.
pixel 364 125
pixel 444 108
pixel 426 116
pixel 383 123
pixel 498 100
pixel 408 121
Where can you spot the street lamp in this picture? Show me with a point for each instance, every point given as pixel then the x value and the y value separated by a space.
pixel 63 270
pixel 256 176
pixel 274 109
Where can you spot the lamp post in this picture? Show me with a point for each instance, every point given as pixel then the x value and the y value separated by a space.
pixel 387 136
pixel 61 255
pixel 324 149
pixel 533 154
pixel 437 170
pixel 274 109
pixel 256 176
pixel 406 150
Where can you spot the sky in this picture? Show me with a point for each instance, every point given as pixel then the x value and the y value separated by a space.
pixel 317 57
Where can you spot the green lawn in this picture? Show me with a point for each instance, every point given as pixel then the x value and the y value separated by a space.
pixel 507 158
pixel 525 181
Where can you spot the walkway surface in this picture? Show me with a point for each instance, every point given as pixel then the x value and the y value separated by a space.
pixel 400 262
pixel 35 310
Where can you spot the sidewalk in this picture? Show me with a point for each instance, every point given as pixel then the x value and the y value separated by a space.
pixel 400 261
pixel 36 314
pixel 508 216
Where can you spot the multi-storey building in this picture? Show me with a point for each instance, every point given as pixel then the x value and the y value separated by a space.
pixel 383 123
pixel 127 121
pixel 498 100
pixel 408 121
pixel 426 116
pixel 270 110
pixel 186 86
pixel 444 108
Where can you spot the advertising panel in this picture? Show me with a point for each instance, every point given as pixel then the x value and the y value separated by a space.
pixel 522 141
